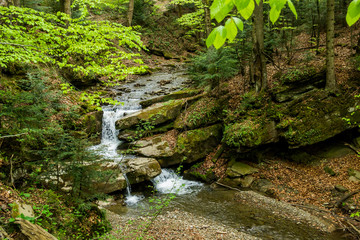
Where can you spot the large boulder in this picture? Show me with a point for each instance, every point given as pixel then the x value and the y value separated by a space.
pixel 114 179
pixel 155 147
pixel 156 114
pixel 247 134
pixel 206 111
pixel 142 169
pixel 194 145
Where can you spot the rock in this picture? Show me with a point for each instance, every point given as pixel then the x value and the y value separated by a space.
pixel 206 111
pixel 92 122
pixel 239 169
pixel 247 181
pixel 355 173
pixel 329 171
pixel 194 145
pixel 154 147
pixel 115 180
pixel 156 114
pixel 262 185
pixel 248 134
pixel 354 179
pixel 167 55
pixel 172 96
pixel 142 169
pixel 341 188
pixel 22 208
pixel 33 231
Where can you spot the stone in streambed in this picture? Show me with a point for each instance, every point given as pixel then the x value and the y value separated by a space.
pixel 142 169
pixel 155 147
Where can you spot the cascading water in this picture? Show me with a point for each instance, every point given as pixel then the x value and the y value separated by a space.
pixel 131 95
pixel 169 182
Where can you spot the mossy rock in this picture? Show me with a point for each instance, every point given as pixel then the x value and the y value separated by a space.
pixel 194 145
pixel 203 112
pixel 129 135
pixel 155 115
pixel 155 147
pixel 172 96
pixel 239 169
pixel 92 122
pixel 317 117
pixel 249 134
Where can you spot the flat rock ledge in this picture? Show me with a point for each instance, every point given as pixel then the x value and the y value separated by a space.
pixel 285 210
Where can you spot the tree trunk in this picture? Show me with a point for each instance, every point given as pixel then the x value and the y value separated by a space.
pixel 330 69
pixel 207 17
pixel 9 3
pixel 65 6
pixel 259 73
pixel 130 12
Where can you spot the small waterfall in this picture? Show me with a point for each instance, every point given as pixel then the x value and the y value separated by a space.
pixel 170 182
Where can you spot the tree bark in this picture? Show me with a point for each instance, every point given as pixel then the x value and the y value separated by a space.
pixel 330 68
pixel 130 12
pixel 207 17
pixel 259 73
pixel 65 6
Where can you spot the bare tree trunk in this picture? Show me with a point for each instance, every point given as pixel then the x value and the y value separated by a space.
pixel 130 12
pixel 330 68
pixel 259 73
pixel 318 26
pixel 9 3
pixel 65 6
pixel 207 17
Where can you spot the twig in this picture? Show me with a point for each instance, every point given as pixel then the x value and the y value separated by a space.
pixel 15 135
pixel 353 227
pixel 341 200
pixel 11 171
pixel 352 148
pixel 226 186
pixel 16 44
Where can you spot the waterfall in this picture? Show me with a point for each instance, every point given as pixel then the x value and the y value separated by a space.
pixel 170 182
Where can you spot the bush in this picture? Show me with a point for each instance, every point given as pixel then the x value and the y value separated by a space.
pixel 213 66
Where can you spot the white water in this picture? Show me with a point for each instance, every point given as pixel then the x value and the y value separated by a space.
pixel 170 182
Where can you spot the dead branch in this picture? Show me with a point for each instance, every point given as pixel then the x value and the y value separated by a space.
pixel 10 136
pixel 345 197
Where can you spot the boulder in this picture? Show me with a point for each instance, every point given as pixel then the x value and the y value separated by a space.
pixel 172 96
pixel 142 169
pixel 239 169
pixel 19 209
pixel 115 181
pixel 194 145
pixel 155 147
pixel 249 134
pixel 354 173
pixel 156 114
pixel 204 112
pixel 33 231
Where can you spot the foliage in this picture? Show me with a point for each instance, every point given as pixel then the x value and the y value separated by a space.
pixel 221 8
pixel 143 10
pixel 213 66
pixel 86 47
pixel 353 13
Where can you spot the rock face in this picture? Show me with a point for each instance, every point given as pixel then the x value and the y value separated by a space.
pixel 33 231
pixel 115 180
pixel 156 114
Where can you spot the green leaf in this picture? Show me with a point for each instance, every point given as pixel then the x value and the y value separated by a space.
pixel 247 11
pixel 220 8
pixel 231 29
pixel 292 8
pixel 238 23
pixel 274 14
pixel 211 38
pixel 353 13
pixel 220 37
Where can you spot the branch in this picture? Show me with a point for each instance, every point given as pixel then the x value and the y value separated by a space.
pixel 15 135
pixel 344 198
pixel 15 44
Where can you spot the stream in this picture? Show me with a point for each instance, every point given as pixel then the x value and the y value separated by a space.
pixel 194 197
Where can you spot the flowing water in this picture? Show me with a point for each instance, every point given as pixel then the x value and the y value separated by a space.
pixel 192 196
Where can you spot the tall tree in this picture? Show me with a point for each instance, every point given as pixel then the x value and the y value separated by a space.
pixel 330 68
pixel 65 6
pixel 259 73
pixel 130 12
pixel 207 17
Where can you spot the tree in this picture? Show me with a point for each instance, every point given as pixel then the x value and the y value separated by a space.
pixel 65 6
pixel 330 68
pixel 259 73
pixel 130 12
